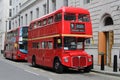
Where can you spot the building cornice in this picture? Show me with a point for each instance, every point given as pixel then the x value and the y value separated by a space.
pixel 25 5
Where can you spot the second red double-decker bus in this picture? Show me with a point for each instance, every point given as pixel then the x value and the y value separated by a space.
pixel 57 40
pixel 16 44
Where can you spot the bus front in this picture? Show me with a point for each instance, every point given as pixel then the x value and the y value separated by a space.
pixel 77 29
pixel 22 43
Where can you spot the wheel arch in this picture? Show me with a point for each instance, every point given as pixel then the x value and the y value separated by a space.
pixel 55 58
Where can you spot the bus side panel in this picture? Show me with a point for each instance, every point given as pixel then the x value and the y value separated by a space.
pixel 29 56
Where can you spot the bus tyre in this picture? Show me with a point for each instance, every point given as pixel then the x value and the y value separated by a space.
pixel 12 57
pixel 87 69
pixel 5 56
pixel 58 67
pixel 33 61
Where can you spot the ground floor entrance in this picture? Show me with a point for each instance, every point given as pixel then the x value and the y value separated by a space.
pixel 105 42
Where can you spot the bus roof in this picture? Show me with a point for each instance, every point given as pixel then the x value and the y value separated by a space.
pixel 16 28
pixel 75 10
pixel 64 9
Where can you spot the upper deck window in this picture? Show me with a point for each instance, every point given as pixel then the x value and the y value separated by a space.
pixel 44 21
pixel 83 18
pixel 69 16
pixel 58 17
pixel 35 25
pixel 24 32
pixel 50 20
pixel 31 26
pixel 39 23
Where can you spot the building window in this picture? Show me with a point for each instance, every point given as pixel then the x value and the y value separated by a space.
pixel 65 2
pixel 16 23
pixel 19 5
pixel 108 21
pixel 16 9
pixel 86 1
pixel 54 5
pixel 10 12
pixel 10 2
pixel 31 15
pixel 13 24
pixel 37 12
pixel 9 25
pixel 13 11
pixel 26 16
pixel 44 8
pixel 47 6
pixel 21 20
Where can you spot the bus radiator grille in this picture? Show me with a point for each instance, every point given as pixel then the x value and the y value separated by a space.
pixel 79 61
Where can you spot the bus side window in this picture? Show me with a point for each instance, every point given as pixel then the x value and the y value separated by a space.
pixel 50 45
pixel 58 17
pixel 35 25
pixel 39 23
pixel 50 20
pixel 44 22
pixel 69 17
pixel 31 26
pixel 39 45
pixel 44 45
pixel 83 18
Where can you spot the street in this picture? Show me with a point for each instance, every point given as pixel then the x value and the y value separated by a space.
pixel 12 70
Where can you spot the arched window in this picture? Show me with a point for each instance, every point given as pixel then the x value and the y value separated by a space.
pixel 108 21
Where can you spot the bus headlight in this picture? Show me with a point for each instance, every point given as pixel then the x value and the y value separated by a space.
pixel 19 55
pixel 66 59
pixel 89 59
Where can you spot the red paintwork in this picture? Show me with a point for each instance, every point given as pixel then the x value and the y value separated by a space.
pixel 46 56
pixel 14 54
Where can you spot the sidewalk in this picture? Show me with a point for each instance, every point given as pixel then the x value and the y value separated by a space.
pixel 107 70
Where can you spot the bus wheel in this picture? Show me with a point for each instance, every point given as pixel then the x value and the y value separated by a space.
pixel 12 57
pixel 87 69
pixel 58 67
pixel 5 56
pixel 33 61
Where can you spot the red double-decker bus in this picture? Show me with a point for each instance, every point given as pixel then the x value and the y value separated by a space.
pixel 16 44
pixel 57 40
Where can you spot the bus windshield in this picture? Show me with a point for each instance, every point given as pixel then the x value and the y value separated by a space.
pixel 69 17
pixel 72 43
pixel 83 18
pixel 24 32
pixel 23 46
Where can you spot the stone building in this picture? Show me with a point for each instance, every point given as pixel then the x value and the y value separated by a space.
pixel 4 20
pixel 105 15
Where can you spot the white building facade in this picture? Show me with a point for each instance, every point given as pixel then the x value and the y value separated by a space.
pixel 4 20
pixel 105 16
